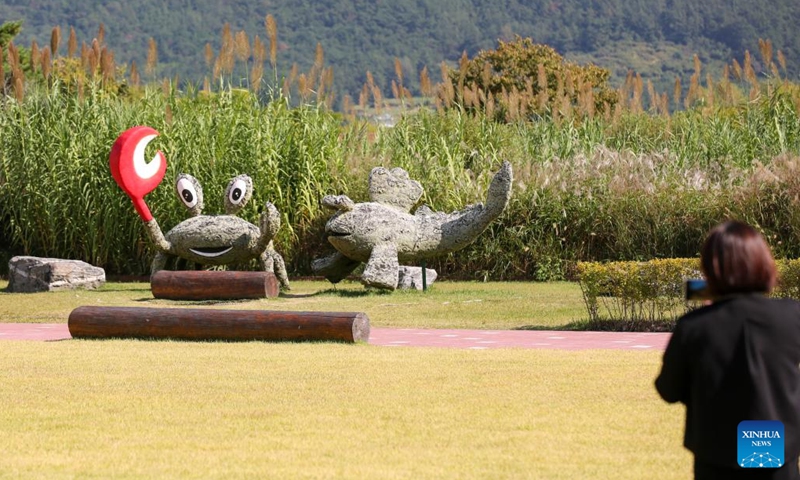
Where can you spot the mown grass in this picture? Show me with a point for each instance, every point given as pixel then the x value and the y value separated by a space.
pixel 134 409
pixel 491 305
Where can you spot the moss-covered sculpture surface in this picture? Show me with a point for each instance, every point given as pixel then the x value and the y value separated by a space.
pixel 383 233
pixel 219 239
pixel 203 239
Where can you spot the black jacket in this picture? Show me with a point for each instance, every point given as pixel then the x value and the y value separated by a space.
pixel 737 359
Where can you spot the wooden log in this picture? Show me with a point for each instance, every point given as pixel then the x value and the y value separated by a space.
pixel 213 285
pixel 217 324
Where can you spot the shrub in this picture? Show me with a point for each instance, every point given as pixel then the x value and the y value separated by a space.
pixel 788 279
pixel 521 78
pixel 651 293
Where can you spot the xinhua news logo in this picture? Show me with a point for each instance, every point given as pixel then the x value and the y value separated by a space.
pixel 760 444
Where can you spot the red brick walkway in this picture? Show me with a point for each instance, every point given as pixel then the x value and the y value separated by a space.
pixel 414 337
pixel 549 339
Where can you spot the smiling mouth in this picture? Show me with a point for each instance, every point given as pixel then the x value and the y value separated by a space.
pixel 210 252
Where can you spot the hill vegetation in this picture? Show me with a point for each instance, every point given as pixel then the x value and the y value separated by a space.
pixel 656 38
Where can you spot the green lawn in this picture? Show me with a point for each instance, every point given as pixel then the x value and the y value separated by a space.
pixel 491 305
pixel 158 409
pixel 165 409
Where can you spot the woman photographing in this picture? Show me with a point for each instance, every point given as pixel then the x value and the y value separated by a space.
pixel 736 359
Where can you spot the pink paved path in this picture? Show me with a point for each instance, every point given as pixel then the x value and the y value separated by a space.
pixel 414 337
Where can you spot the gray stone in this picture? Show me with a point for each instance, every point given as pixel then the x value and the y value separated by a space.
pixel 411 277
pixel 383 233
pixel 36 274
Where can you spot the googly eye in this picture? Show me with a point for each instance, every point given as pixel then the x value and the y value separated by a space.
pixel 190 192
pixel 187 193
pixel 237 192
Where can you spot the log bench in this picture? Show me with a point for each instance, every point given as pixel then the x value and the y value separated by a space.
pixel 217 324
pixel 213 285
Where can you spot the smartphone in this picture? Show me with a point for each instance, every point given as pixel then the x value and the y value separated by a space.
pixel 696 289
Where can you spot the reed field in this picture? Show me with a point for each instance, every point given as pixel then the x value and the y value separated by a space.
pixel 639 189
pixel 645 179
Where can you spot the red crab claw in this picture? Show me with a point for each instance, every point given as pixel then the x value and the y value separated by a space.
pixel 136 177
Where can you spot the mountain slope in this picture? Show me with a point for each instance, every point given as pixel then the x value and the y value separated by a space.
pixel 367 35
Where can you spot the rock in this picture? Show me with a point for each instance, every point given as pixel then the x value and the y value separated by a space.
pixel 411 277
pixel 35 274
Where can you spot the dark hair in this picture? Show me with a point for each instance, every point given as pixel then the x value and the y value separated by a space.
pixel 736 259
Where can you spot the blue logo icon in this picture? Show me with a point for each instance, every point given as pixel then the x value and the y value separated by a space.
pixel 760 444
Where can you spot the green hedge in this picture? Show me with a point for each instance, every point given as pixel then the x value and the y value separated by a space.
pixel 650 295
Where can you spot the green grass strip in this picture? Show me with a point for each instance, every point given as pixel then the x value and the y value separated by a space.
pixel 139 409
